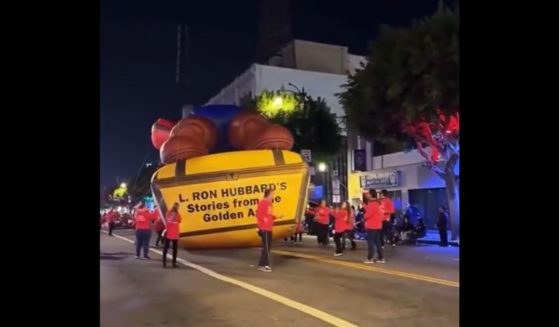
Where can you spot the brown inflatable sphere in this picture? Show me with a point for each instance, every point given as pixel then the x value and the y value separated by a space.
pixel 197 127
pixel 273 137
pixel 180 148
pixel 244 127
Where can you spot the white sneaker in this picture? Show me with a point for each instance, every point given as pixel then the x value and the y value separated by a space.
pixel 368 261
pixel 265 268
pixel 338 254
pixel 381 261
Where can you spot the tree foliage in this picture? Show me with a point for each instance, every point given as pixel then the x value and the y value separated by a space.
pixel 310 121
pixel 408 91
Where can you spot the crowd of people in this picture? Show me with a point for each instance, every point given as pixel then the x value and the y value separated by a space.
pixel 167 229
pixel 377 220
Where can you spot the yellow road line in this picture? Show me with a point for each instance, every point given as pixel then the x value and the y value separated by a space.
pixel 328 318
pixel 355 265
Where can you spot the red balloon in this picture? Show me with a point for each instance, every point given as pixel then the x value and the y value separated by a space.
pixel 160 131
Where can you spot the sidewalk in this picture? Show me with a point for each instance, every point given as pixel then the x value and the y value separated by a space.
pixel 431 237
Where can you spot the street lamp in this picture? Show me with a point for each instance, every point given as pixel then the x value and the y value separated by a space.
pixel 123 185
pixel 321 167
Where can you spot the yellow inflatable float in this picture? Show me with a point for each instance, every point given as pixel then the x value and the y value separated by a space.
pixel 218 194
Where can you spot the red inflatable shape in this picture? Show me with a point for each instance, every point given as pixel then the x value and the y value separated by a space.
pixel 160 131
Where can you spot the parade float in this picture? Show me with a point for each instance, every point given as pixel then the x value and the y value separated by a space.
pixel 218 162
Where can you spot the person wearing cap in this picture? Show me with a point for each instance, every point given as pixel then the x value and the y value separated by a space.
pixel 172 232
pixel 142 224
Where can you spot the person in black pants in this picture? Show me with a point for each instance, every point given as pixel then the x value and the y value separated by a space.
pixel 167 243
pixel 172 233
pixel 374 215
pixel 265 222
pixel 442 226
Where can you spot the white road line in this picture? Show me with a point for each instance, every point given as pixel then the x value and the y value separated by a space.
pixel 328 318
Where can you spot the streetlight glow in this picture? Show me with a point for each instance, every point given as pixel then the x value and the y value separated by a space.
pixel 321 167
pixel 278 101
pixel 123 185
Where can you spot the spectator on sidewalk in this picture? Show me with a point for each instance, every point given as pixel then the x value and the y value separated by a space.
pixel 374 216
pixel 442 222
pixel 172 233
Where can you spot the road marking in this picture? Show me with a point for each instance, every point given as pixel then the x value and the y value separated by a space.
pixel 369 268
pixel 328 318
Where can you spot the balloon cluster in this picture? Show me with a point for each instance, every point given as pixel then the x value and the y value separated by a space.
pixel 217 128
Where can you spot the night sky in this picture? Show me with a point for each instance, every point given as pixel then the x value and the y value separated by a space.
pixel 138 57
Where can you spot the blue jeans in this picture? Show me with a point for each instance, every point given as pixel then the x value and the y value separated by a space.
pixel 373 240
pixel 142 241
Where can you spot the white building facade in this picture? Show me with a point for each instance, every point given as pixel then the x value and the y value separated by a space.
pixel 322 69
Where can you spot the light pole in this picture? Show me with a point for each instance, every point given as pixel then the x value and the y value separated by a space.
pixel 322 170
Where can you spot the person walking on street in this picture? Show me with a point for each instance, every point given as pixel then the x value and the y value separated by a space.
pixel 322 220
pixel 172 232
pixel 142 223
pixel 111 216
pixel 350 229
pixel 374 216
pixel 265 221
pixel 442 222
pixel 388 212
pixel 159 228
pixel 340 225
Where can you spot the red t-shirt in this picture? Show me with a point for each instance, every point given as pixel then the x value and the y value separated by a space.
pixel 264 217
pixel 388 207
pixel 323 214
pixel 351 220
pixel 341 225
pixel 173 220
pixel 373 215
pixel 142 219
pixel 111 216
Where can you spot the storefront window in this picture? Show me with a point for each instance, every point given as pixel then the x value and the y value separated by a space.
pixel 428 201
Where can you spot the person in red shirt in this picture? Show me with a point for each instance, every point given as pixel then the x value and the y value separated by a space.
pixel 142 223
pixel 111 216
pixel 388 211
pixel 103 218
pixel 172 233
pixel 340 225
pixel 374 216
pixel 322 220
pixel 350 230
pixel 159 227
pixel 265 222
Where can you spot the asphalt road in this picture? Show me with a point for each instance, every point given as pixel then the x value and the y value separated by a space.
pixel 307 287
